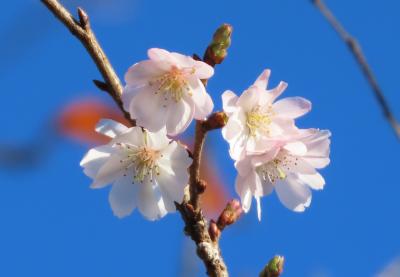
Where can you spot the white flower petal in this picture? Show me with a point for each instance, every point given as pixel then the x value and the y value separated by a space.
pixel 180 115
pixel 318 144
pixel 299 165
pixel 183 61
pixel 277 91
pixel 237 147
pixel 258 208
pixel 150 201
pixel 315 181
pixel 110 128
pixel 249 98
pixel 157 140
pixel 95 159
pixel 172 187
pixel 140 73
pixel 293 194
pixel 133 136
pixel 262 80
pixel 229 99
pixel 161 55
pixel 317 162
pixel 292 107
pixel 233 128
pixel 203 70
pixel 296 148
pixel 244 166
pixel 202 101
pixel 243 190
pixel 175 156
pixel 148 109
pixel 123 196
pixel 111 170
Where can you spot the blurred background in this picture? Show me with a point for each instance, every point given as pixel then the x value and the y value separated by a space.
pixel 52 224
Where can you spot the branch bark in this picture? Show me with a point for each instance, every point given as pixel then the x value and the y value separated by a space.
pixel 357 52
pixel 82 31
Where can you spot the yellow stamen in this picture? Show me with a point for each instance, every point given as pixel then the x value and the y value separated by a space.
pixel 258 119
pixel 173 84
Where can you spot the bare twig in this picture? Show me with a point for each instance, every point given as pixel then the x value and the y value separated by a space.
pixel 356 50
pixel 197 186
pixel 81 29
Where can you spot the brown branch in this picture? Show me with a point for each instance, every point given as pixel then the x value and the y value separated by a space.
pixel 196 225
pixel 81 30
pixel 356 50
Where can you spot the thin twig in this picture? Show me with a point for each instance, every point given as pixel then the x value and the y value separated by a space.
pixel 194 181
pixel 356 50
pixel 81 30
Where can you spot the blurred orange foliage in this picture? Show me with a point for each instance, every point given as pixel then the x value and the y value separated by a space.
pixel 78 120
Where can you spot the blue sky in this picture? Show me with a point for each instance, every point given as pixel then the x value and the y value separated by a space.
pixel 54 225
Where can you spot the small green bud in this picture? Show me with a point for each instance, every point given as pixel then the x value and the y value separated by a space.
pixel 217 49
pixel 223 35
pixel 274 267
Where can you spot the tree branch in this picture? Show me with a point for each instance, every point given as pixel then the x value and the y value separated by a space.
pixel 81 30
pixel 196 225
pixel 356 50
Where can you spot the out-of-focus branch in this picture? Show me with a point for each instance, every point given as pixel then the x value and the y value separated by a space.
pixel 81 30
pixel 356 50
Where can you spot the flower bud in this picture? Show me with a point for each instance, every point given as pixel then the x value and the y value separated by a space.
pixel 217 49
pixel 216 121
pixel 213 230
pixel 274 267
pixel 230 214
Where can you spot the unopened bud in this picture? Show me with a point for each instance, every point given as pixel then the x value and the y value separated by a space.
pixel 230 214
pixel 201 186
pixel 216 121
pixel 223 35
pixel 213 230
pixel 274 267
pixel 217 49
pixel 83 18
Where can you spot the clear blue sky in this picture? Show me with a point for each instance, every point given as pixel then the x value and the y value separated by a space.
pixel 52 224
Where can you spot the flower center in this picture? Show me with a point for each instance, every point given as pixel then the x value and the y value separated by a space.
pixel 258 119
pixel 277 169
pixel 173 84
pixel 142 159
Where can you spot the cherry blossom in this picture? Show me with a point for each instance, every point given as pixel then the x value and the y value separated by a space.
pixel 166 91
pixel 256 122
pixel 290 169
pixel 147 170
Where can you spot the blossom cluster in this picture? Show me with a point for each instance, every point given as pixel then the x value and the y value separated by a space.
pixel 270 152
pixel 149 169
